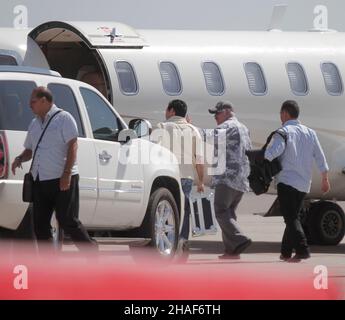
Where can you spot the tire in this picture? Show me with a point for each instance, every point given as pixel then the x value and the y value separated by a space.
pixel 326 223
pixel 161 224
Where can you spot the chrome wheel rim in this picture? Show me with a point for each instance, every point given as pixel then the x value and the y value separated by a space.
pixel 165 227
pixel 331 224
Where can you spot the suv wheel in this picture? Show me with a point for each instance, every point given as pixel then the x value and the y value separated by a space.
pixel 162 224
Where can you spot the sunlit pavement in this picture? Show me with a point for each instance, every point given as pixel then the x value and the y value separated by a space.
pixel 115 272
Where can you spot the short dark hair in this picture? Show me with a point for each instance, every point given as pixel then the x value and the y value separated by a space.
pixel 291 107
pixel 41 92
pixel 179 106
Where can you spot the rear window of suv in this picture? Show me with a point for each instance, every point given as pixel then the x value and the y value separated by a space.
pixel 15 112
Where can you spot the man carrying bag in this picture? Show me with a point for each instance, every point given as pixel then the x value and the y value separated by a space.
pixel 296 156
pixel 53 135
pixel 28 183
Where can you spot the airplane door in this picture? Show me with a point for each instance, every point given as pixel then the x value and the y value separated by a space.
pixel 71 48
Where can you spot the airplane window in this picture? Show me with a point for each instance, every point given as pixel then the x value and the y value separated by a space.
pixel 256 79
pixel 213 78
pixel 105 124
pixel 127 79
pixel 297 78
pixel 6 60
pixel 170 78
pixel 64 98
pixel 332 78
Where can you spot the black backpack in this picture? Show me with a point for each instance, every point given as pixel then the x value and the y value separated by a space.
pixel 262 171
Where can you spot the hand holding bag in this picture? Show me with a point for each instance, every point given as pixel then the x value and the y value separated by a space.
pixel 262 171
pixel 28 183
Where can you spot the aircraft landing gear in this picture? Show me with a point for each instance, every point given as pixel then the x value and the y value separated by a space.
pixel 324 223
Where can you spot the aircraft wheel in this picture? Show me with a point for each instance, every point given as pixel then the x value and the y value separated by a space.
pixel 326 223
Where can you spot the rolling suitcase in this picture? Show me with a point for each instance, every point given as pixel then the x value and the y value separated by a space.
pixel 202 213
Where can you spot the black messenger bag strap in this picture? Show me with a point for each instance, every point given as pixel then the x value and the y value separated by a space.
pixel 39 140
pixel 269 138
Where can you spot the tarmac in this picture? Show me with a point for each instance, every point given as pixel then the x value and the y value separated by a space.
pixel 116 272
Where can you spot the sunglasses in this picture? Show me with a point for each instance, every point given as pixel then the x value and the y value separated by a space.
pixel 217 113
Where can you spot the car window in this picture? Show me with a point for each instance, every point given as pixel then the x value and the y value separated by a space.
pixel 15 112
pixel 64 98
pixel 7 60
pixel 105 125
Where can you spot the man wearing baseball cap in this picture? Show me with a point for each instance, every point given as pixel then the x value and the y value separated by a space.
pixel 231 142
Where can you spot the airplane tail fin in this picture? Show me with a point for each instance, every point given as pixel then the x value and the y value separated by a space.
pixel 277 17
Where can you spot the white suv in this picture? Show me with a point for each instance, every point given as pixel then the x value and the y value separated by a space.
pixel 129 187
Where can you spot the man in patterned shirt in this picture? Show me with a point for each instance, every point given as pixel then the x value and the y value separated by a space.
pixel 231 140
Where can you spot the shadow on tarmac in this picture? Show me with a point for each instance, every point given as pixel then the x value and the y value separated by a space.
pixel 205 247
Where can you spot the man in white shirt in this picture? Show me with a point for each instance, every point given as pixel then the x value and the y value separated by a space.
pixel 294 180
pixel 185 142
pixel 54 168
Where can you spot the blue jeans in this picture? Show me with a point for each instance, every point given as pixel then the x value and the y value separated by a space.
pixel 187 185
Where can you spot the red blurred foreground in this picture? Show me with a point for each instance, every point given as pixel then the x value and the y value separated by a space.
pixel 73 275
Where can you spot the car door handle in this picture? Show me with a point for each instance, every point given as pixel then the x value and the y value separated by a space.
pixel 104 156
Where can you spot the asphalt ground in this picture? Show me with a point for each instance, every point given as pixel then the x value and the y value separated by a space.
pixel 116 272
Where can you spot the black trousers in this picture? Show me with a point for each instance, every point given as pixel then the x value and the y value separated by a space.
pixel 47 198
pixel 291 201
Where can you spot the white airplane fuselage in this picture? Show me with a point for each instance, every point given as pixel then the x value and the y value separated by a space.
pixel 188 50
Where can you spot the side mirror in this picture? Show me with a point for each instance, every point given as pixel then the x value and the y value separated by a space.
pixel 126 135
pixel 142 127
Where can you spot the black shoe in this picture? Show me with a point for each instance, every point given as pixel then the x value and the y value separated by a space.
pixel 284 257
pixel 299 257
pixel 227 256
pixel 93 246
pixel 243 246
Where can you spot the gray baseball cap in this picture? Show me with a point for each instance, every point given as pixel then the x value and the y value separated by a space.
pixel 221 106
